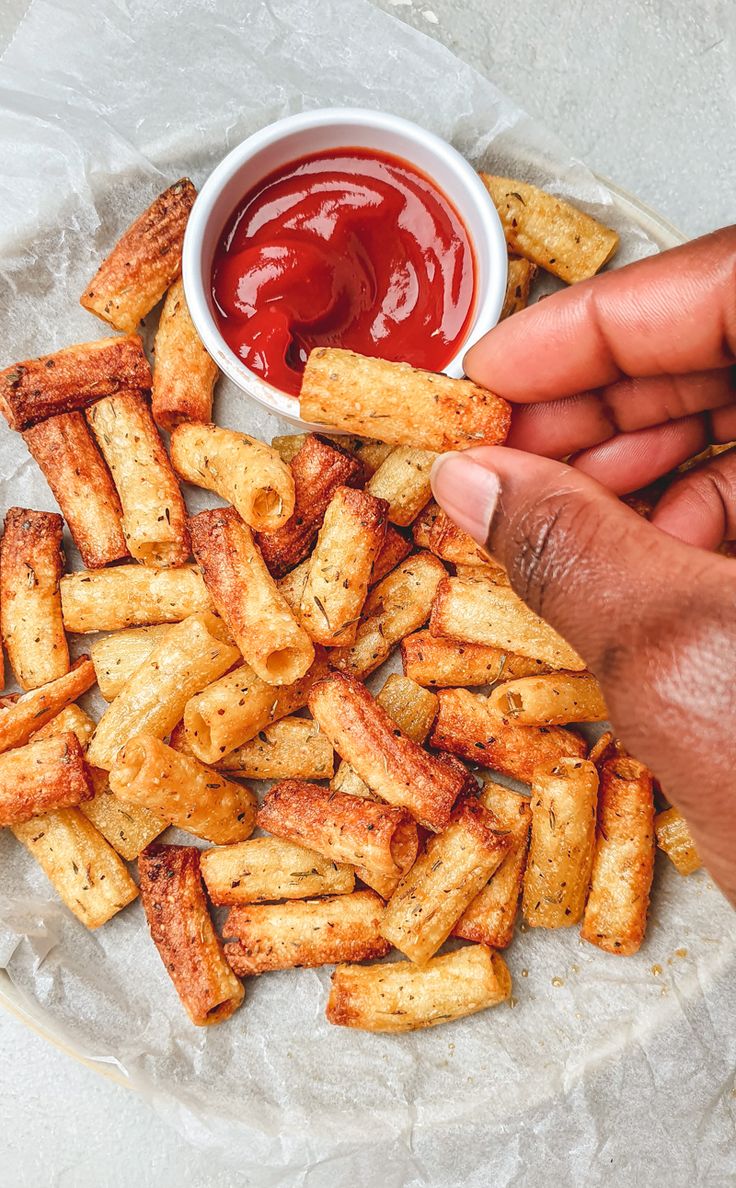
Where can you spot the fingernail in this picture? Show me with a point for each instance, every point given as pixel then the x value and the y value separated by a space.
pixel 467 492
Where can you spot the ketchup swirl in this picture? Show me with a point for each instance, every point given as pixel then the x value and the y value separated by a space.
pixel 348 248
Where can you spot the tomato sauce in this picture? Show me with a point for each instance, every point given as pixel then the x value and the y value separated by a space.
pixel 349 248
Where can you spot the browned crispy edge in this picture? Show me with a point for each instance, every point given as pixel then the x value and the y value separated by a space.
pixel 54 775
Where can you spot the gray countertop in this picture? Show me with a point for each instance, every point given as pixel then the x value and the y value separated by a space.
pixel 644 91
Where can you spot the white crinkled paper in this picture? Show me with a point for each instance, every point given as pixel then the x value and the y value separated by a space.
pixel 603 1069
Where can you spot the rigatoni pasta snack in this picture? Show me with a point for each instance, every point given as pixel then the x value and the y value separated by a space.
pixel 403 481
pixel 445 878
pixel 240 469
pixel 154 515
pixel 343 828
pixel 401 996
pixel 231 711
pixel 489 918
pixel 31 565
pixel 398 403
pixel 563 805
pixel 396 606
pixel 466 725
pixel 184 374
pixel 183 791
pixel 144 262
pixel 412 708
pixel 675 839
pixel 152 701
pixel 452 544
pixel 176 909
pixel 394 550
pixel 552 700
pixel 290 748
pixel 42 776
pixel 433 660
pixel 71 379
pixel 305 932
pixel 476 610
pixel 131 595
pixel 26 716
pixel 87 874
pixel 270 868
pixel 615 916
pixel 318 469
pixel 549 231
pixel 519 280
pixel 115 657
pixel 258 617
pixel 81 483
pixel 128 829
pixel 340 567
pixel 392 766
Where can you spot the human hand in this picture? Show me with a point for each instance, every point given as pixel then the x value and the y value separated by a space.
pixel 631 373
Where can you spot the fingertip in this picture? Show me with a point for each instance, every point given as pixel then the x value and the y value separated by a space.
pixel 468 491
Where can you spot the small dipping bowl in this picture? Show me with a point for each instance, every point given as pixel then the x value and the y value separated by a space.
pixel 312 132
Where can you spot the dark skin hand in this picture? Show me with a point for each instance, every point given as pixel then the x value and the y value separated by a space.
pixel 631 373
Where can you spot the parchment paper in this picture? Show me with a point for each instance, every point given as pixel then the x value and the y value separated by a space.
pixel 602 1069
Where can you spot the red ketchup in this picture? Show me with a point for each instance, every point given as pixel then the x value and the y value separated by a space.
pixel 348 248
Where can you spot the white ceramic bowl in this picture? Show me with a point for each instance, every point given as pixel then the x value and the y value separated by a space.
pixel 314 131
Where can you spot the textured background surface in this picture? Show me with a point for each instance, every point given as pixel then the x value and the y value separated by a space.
pixel 645 92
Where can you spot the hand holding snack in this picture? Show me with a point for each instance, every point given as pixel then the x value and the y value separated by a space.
pixel 630 373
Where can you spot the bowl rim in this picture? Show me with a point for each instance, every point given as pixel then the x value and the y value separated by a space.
pixel 488 301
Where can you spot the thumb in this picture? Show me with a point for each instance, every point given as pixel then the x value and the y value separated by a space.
pixel 589 565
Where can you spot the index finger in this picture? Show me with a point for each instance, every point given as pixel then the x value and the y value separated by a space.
pixel 669 314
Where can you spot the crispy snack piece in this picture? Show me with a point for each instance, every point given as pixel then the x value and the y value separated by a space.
pixel 238 468
pixel 340 568
pixel 86 873
pixel 369 453
pixel 291 747
pixel 129 595
pixel 521 274
pixel 42 776
pixel 435 892
pixel 551 700
pixel 182 790
pixel 115 657
pixel 489 918
pixel 258 617
pixel 128 830
pixel 81 484
pixel 31 565
pixel 475 609
pixel 563 804
pixel 412 708
pixel 451 543
pixel 232 710
pixel 269 868
pixel 403 481
pixel 305 932
pixel 675 838
pixel 71 379
pixel 432 660
pixel 191 655
pixel 401 996
pixel 616 913
pixel 399 404
pixel 342 828
pixel 154 515
pixel 176 909
pixel 144 262
pixel 318 469
pixel 422 526
pixel 184 374
pixel 396 606
pixel 394 550
pixel 468 726
pixel 393 766
pixel 29 713
pixel 550 232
